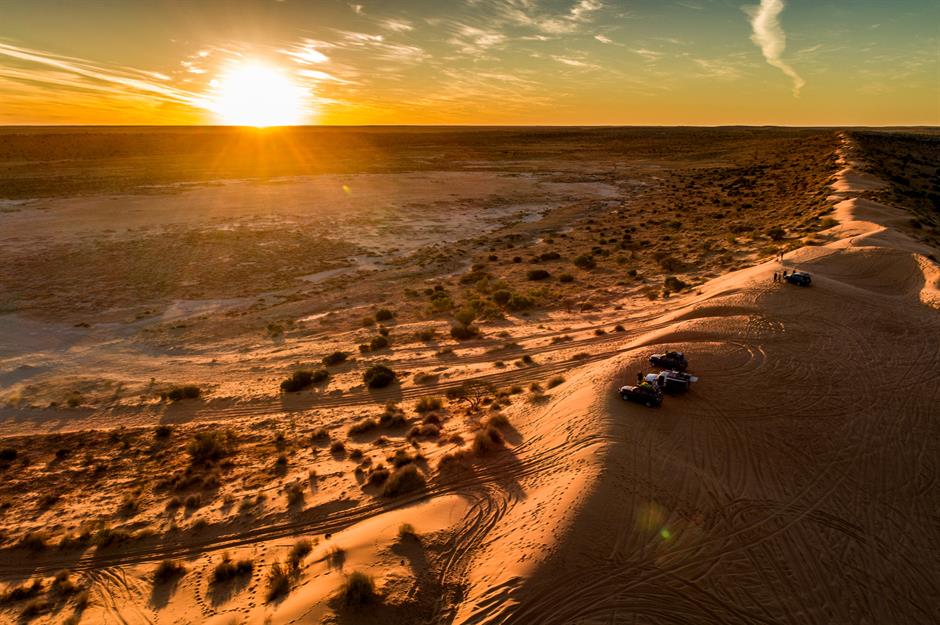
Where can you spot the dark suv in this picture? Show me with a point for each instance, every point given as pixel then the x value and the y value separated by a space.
pixel 645 394
pixel 670 360
pixel 799 278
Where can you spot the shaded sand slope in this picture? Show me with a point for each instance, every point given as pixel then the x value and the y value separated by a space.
pixel 796 483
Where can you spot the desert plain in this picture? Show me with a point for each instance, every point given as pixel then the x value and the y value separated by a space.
pixel 370 375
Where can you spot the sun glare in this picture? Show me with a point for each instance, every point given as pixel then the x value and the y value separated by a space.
pixel 256 94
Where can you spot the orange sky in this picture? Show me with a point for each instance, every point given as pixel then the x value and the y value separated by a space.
pixel 828 62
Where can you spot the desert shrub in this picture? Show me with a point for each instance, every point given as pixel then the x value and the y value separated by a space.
pixel 193 502
pixel 179 393
pixel 673 283
pixel 487 440
pixel 406 531
pixel 209 446
pixel 22 593
pixel 279 578
pixel 366 424
pixel 364 348
pixel 465 316
pixel 378 476
pixel 162 432
pixel 777 233
pixel 463 332
pixel 537 274
pixel 295 494
pixel 519 302
pixel 35 540
pixel 384 314
pixel 167 571
pixel 585 261
pixel 227 569
pixel 367 321
pixel 554 381
pixel 619 328
pixel 302 378
pixel 426 430
pixel 452 460
pixel 502 296
pixel 427 335
pixel 298 552
pixel 107 537
pixel 358 591
pixel 378 376
pixel 600 331
pixel 498 420
pixel 566 278
pixel 392 417
pixel 335 358
pixel 338 447
pixel 378 342
pixel 319 435
pixel 34 608
pixel 62 584
pixel 355 454
pixel 7 454
pixel 403 480
pixel 429 404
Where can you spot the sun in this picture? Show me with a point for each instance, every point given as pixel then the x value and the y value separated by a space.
pixel 253 93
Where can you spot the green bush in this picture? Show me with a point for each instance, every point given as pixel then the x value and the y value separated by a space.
pixel 585 261
pixel 403 480
pixel 359 590
pixel 363 425
pixel 378 376
pixel 537 274
pixel 167 571
pixel 335 358
pixel 179 393
pixel 279 578
pixel 227 570
pixel 429 404
pixel 302 378
pixel 673 283
pixel 210 446
pixel 463 332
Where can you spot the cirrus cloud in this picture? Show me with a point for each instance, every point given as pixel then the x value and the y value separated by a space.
pixel 768 35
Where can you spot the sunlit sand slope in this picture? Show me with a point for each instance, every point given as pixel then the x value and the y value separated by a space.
pixel 796 483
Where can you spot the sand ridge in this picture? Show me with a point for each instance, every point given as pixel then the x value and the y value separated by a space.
pixel 795 483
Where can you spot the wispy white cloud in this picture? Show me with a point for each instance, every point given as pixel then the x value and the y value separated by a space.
pixel 573 62
pixel 397 25
pixel 647 54
pixel 78 73
pixel 474 40
pixel 603 38
pixel 768 35
pixel 528 13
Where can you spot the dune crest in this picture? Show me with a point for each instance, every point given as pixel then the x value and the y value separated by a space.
pixel 794 481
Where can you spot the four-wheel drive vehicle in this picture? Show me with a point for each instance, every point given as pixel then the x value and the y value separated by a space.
pixel 645 394
pixel 670 360
pixel 799 278
pixel 671 381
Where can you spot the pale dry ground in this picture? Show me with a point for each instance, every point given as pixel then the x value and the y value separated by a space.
pixel 794 484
